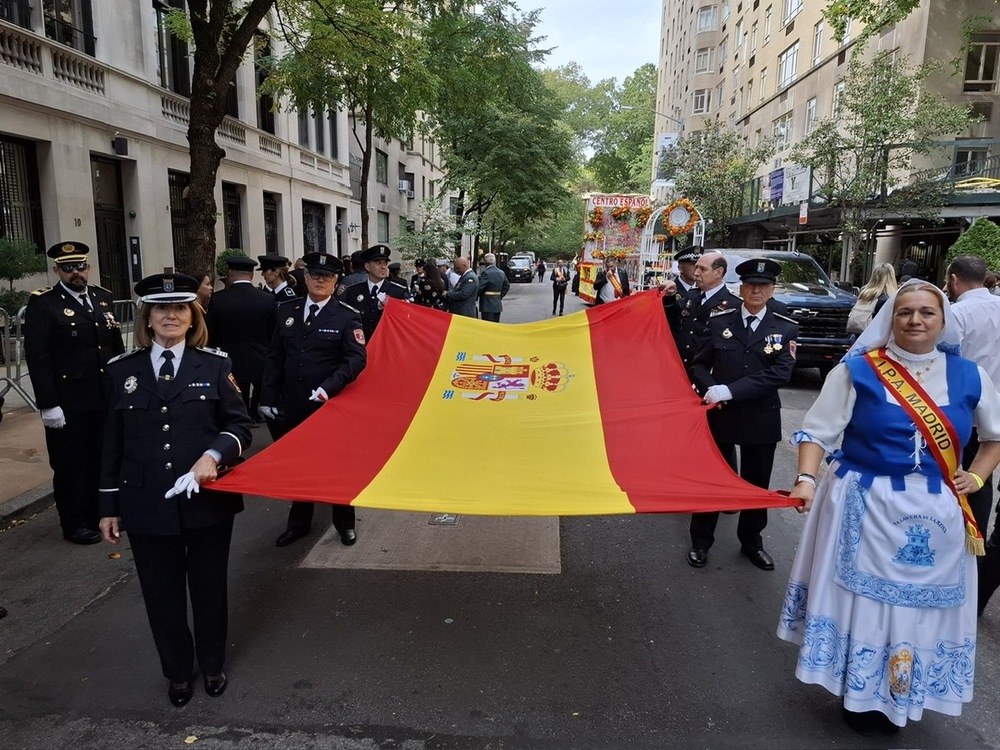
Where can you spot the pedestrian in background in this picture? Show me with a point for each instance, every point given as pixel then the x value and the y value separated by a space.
pixel 206 287
pixel 540 270
pixel 175 418
pixel 493 287
pixel 241 325
pixel 274 269
pixel 430 287
pixel 560 280
pixel 450 277
pixel 70 333
pixel 881 284
pixel 356 275
pixel 317 349
pixel 748 353
pixel 881 594
pixel 461 297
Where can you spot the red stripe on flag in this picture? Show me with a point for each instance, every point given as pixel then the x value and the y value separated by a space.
pixel 655 433
pixel 380 409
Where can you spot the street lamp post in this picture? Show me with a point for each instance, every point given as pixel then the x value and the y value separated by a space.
pixel 625 107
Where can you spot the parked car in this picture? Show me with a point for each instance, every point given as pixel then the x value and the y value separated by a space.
pixel 814 302
pixel 520 268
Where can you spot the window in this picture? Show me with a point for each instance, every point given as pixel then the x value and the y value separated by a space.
pixel 708 18
pixel 723 50
pixel 319 125
pixel 383 226
pixel 313 227
pixel 787 63
pixel 17 12
pixel 767 24
pixel 736 82
pixel 725 10
pixel 970 161
pixel 70 22
pixel 177 184
pixel 265 102
pixel 271 231
pixel 792 9
pixel 738 35
pixel 232 215
pixel 719 91
pixel 749 99
pixel 703 60
pixel 781 129
pixel 20 196
pixel 847 32
pixel 702 101
pixel 331 117
pixel 981 66
pixel 753 37
pixel 171 52
pixel 838 93
pixel 763 84
pixel 303 128
pixel 810 115
pixel 817 42
pixel 381 167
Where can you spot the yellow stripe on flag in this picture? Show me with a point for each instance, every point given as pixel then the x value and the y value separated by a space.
pixel 542 450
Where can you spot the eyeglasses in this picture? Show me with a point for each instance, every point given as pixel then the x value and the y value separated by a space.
pixel 70 267
pixel 319 275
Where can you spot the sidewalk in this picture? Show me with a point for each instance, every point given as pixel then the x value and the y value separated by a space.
pixel 25 476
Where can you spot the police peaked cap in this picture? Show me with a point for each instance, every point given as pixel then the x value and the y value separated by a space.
pixel 273 261
pixel 691 252
pixel 395 266
pixel 323 262
pixel 758 271
pixel 241 263
pixel 167 288
pixel 68 252
pixel 376 252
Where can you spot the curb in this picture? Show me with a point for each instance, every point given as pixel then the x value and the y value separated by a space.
pixel 26 503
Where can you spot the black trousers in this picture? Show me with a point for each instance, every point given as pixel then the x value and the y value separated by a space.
pixel 169 567
pixel 75 458
pixel 493 316
pixel 251 398
pixel 980 501
pixel 756 462
pixel 558 297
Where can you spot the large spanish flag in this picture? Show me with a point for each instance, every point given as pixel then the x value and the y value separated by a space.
pixel 590 413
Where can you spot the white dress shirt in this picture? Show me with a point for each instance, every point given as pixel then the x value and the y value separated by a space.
pixel 309 303
pixel 744 314
pixel 156 356
pixel 977 313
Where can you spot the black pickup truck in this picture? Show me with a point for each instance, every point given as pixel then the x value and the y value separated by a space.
pixel 814 302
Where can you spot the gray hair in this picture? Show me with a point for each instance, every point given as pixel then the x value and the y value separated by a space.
pixel 490 259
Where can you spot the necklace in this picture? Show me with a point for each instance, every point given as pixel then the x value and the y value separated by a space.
pixel 919 374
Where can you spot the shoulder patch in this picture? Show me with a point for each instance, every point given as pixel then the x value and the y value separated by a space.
pixel 785 317
pixel 213 350
pixel 352 309
pixel 39 292
pixel 126 354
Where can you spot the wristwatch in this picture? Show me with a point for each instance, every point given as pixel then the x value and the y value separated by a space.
pixel 806 478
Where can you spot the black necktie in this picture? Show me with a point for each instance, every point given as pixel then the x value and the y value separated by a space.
pixel 313 309
pixel 750 321
pixel 85 301
pixel 167 368
pixel 702 299
pixel 374 291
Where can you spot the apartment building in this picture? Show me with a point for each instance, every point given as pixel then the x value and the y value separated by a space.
pixel 93 117
pixel 773 67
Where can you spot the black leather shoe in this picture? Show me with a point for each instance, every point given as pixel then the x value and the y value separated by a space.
pixel 347 538
pixel 759 558
pixel 697 558
pixel 287 537
pixel 82 535
pixel 216 685
pixel 180 693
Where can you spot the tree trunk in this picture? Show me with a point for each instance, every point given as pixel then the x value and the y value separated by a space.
pixel 366 168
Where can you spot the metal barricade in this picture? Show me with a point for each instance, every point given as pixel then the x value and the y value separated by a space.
pixel 12 344
pixel 125 313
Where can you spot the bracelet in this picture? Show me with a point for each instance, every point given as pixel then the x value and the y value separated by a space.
pixel 808 478
pixel 979 479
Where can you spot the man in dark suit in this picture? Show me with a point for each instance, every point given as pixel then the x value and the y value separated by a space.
pixel 318 348
pixel 748 354
pixel 611 283
pixel 241 324
pixel 370 295
pixel 690 312
pixel 461 297
pixel 493 287
pixel 70 333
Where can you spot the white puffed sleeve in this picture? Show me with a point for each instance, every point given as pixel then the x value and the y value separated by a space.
pixel 830 413
pixel 987 416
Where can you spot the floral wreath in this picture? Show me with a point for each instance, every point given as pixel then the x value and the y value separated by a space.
pixel 693 217
pixel 621 213
pixel 642 216
pixel 596 217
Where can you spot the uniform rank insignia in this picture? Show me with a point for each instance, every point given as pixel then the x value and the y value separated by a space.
pixel 235 384
pixel 359 335
pixel 361 297
pixel 727 334
pixel 131 383
pixel 68 313
pixel 103 303
pixel 289 322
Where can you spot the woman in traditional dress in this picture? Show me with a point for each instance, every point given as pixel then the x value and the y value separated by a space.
pixel 882 594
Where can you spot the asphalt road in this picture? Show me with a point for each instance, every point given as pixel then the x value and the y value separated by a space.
pixel 628 647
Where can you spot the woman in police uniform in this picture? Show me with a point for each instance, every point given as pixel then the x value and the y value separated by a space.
pixel 175 417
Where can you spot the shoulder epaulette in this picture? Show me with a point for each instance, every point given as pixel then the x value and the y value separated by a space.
pixel 39 292
pixel 291 300
pixel 396 283
pixel 725 312
pixel 94 286
pixel 213 350
pixel 126 354
pixel 785 317
pixel 352 309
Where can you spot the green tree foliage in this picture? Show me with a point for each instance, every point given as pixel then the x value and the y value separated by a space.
pixel 437 235
pixel 557 236
pixel 712 167
pixel 585 106
pixel 874 14
pixel 863 157
pixel 19 258
pixel 982 239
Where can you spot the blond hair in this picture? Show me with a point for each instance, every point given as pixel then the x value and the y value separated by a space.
pixel 882 281
pixel 197 334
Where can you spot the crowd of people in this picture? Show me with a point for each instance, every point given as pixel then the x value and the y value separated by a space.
pixel 893 566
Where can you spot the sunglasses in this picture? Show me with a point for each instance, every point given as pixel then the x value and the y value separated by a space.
pixel 318 275
pixel 70 267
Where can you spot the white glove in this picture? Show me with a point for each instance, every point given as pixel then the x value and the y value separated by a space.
pixel 268 412
pixel 381 297
pixel 53 418
pixel 319 395
pixel 717 393
pixel 184 484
